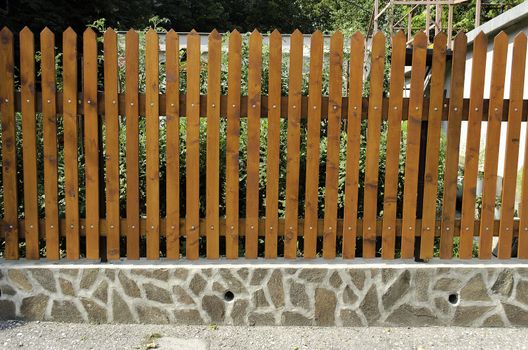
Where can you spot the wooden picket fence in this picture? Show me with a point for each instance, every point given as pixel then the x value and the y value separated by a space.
pixel 380 231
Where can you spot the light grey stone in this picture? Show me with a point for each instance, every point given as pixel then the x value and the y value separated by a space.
pixel 475 290
pixel 290 318
pixel 197 284
pixel 188 317
pixel 298 296
pixel 313 275
pixel 129 286
pixel 66 287
pixel 232 282
pixel 181 273
pixel 349 297
pixel 110 274
pixel 45 278
pixel 388 275
pixel 243 273
pixel 239 311
pixel 493 321
pixel 7 310
pixel 335 280
pixel 413 316
pixel 276 289
pixel 521 293
pixel 150 314
pixel 350 318
pixel 215 308
pixel 259 298
pixel 156 293
pixel 207 272
pixel 33 307
pixel 358 277
pixel 120 309
pixel 6 289
pixel 443 305
pixel 1 274
pixel 397 290
pixel 447 284
pixel 19 279
pixel 218 287
pixel 101 292
pixel 325 305
pixel 66 311
pixel 258 276
pixel 465 316
pixel 370 306
pixel 504 283
pixel 158 274
pixel 422 280
pixel 516 315
pixel 257 319
pixel 70 272
pixel 88 278
pixel 96 313
pixel 182 296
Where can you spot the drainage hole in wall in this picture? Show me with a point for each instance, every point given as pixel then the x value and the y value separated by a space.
pixel 229 296
pixel 453 298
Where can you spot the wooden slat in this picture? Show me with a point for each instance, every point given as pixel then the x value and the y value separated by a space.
pixel 512 147
pixel 49 125
pixel 152 145
pixel 480 46
pixel 71 180
pixel 293 145
pixel 193 146
pixel 272 161
pixel 335 98
pixel 253 144
pixel 493 131
pixel 112 144
pixel 233 143
pixel 29 139
pixel 132 143
pixel 355 90
pixel 91 144
pixel 9 161
pixel 392 167
pixel 412 158
pixel 313 145
pixel 434 128
pixel 173 145
pixel 213 145
pixel 370 206
pixel 453 146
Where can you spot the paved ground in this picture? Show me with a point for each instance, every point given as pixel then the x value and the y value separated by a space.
pixel 47 335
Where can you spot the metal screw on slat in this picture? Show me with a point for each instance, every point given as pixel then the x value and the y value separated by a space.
pixel 113 101
pixel 71 226
pixel 253 106
pixel 447 228
pixel 6 100
pixel 436 108
pixel 152 104
pixel 428 229
pixel 515 109
pixel 10 227
pixel 349 228
pixel 476 108
pixel 496 109
pixel 314 107
pixel 335 107
pixel 49 101
pixel 27 100
pixel 395 107
pixel 51 227
pixel 212 227
pixel 311 228
pixel 388 228
pixel 172 104
pixel 355 107
pixel 330 228
pixel 487 228
pixel 271 228
pixel 30 226
pixel 133 226
pixel 507 228
pixel 112 227
pixel 172 227
pixel 467 228
pixel 291 228
pixel 455 109
pixel 213 105
pixel 192 104
pixel 252 227
pixel 131 103
pixel 234 106
pixel 375 107
pixel 89 101
pixel 368 228
pixel 417 108
pixel 232 227
pixel 410 227
pixel 152 227
pixel 91 226
pixel 274 106
pixel 294 107
pixel 69 101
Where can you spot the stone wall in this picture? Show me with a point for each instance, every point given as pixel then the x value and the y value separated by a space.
pixel 317 293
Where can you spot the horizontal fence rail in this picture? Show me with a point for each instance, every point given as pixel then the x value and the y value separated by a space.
pixel 115 148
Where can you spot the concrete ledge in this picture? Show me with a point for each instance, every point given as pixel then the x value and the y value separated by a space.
pixel 337 293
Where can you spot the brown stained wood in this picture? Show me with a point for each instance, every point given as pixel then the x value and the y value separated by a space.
pixel 253 144
pixel 355 90
pixel 233 143
pixel 91 143
pixel 412 159
pixel 49 125
pixel 313 145
pixel 112 144
pixel 434 128
pixel 9 161
pixel 29 142
pixel 152 144
pixel 193 146
pixel 333 143
pixel 272 161
pixel 370 211
pixel 453 146
pixel 71 180
pixel 293 145
pixel 493 131
pixel 512 147
pixel 213 146
pixel 132 143
pixel 397 78
pixel 173 145
pixel 480 46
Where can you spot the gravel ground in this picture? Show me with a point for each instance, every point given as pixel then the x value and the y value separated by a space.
pixel 48 335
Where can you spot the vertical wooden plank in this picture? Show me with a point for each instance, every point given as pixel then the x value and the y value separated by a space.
pixel 390 199
pixel 192 221
pixel 253 144
pixel 152 147
pixel 49 125
pixel 493 131
pixel 112 144
pixel 91 144
pixel 29 139
pixel 293 145
pixel 512 146
pixel 172 221
pixel 355 93
pixel 467 223
pixel 132 143
pixel 434 128
pixel 313 146
pixel 412 159
pixel 71 177
pixel 233 143
pixel 370 206
pixel 453 146
pixel 272 163
pixel 9 161
pixel 335 98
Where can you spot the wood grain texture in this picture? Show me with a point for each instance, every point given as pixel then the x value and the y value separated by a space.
pixel 293 145
pixel 392 166
pixel 313 145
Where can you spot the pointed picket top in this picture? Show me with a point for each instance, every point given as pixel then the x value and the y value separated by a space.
pixel 26 32
pixel 337 36
pixel 420 40
pixel 275 34
pixel 520 39
pixel 214 35
pixel 89 34
pixel 481 39
pixel 296 33
pixel 46 33
pixel 399 35
pixel 131 34
pixel 377 38
pixel 109 33
pixel 151 34
pixel 172 34
pixel 255 34
pixel 6 33
pixel 193 32
pixel 440 41
pixel 317 34
pixel 69 33
pixel 461 38
pixel 500 37
pixel 235 34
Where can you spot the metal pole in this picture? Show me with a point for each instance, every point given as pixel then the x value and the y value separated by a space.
pixel 477 13
pixel 376 10
pixel 450 26
pixel 438 19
